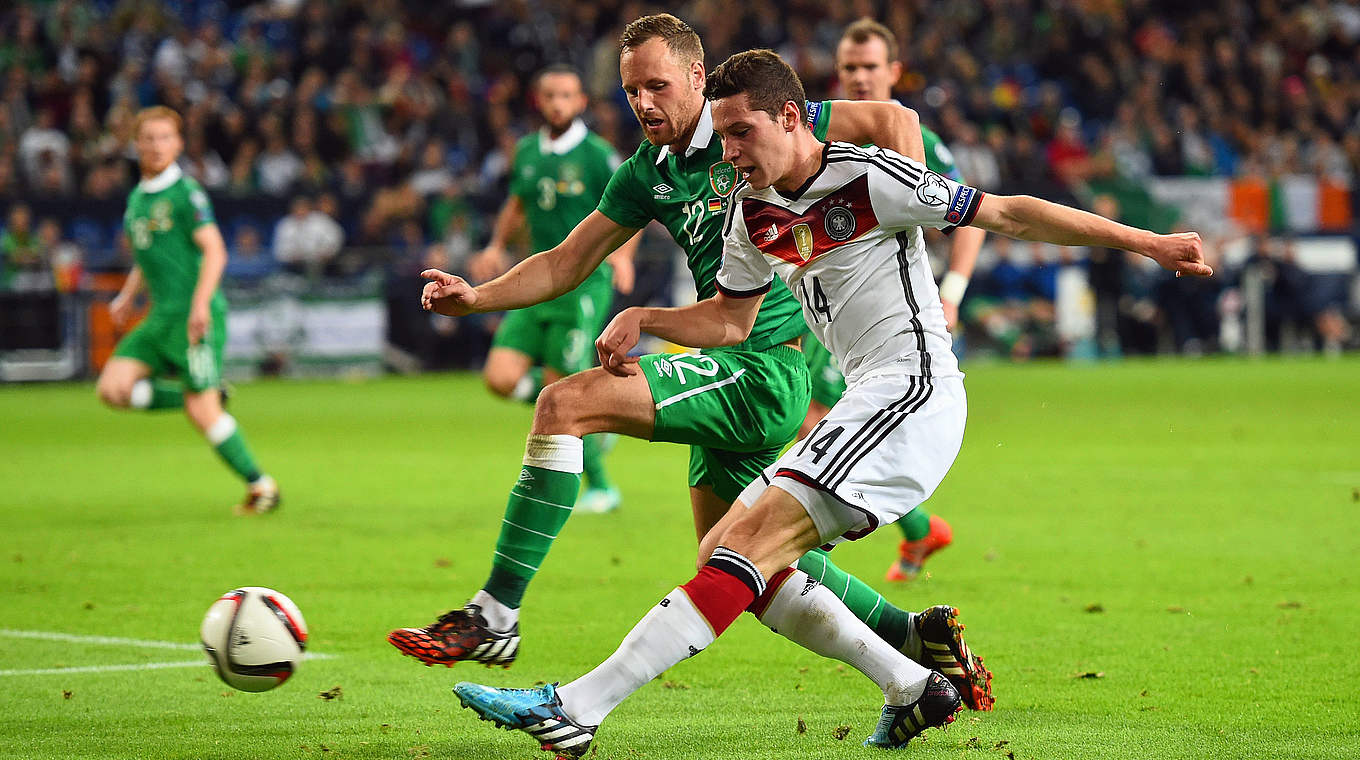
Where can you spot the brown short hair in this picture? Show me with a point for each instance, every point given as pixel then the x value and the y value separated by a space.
pixel 157 112
pixel 866 29
pixel 682 41
pixel 766 79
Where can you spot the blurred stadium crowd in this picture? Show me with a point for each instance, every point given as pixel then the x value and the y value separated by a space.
pixel 344 139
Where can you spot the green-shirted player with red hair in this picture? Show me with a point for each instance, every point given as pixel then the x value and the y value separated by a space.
pixel 173 359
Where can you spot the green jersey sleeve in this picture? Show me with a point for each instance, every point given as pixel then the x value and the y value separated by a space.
pixel 199 210
pixel 939 159
pixel 819 118
pixel 625 200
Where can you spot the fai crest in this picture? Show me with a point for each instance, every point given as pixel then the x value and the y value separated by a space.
pixel 723 177
pixel 802 237
pixel 840 224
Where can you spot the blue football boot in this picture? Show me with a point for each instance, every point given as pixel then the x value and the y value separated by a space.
pixel 899 724
pixel 537 712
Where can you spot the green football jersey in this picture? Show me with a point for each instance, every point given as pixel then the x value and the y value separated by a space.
pixel 559 182
pixel 162 215
pixel 689 195
pixel 938 157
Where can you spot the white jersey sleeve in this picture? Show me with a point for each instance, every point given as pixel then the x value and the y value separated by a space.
pixel 745 272
pixel 907 194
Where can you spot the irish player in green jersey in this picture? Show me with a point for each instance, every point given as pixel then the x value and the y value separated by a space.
pixel 736 407
pixel 557 179
pixel 868 65
pixel 179 260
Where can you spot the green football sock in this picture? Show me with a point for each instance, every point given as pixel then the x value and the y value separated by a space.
pixel 155 395
pixel 539 506
pixel 592 458
pixel 889 622
pixel 229 444
pixel 915 525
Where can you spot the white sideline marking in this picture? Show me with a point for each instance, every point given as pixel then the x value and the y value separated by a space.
pixel 78 639
pixel 118 641
pixel 104 668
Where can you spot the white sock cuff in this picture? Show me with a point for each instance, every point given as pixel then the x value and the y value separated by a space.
pixel 524 389
pixel 222 429
pixel 562 453
pixel 140 396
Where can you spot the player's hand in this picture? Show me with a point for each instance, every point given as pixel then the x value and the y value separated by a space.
pixel 623 274
pixel 120 309
pixel 447 294
pixel 488 264
pixel 618 338
pixel 951 314
pixel 1182 253
pixel 200 319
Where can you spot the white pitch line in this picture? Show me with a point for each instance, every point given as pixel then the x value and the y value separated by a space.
pixel 118 641
pixel 103 668
pixel 77 639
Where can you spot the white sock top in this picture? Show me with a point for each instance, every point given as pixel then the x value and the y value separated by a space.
pixel 562 453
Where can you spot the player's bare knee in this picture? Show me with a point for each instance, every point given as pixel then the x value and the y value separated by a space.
pixel 111 394
pixel 559 410
pixel 500 383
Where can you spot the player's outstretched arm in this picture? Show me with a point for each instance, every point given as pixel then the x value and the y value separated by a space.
pixel 492 260
pixel 209 240
pixel 716 321
pixel 541 277
pixel 1027 218
pixel 887 125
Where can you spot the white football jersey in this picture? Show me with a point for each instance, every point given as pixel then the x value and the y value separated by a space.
pixel 849 245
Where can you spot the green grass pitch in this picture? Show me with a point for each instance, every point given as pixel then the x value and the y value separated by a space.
pixel 1187 533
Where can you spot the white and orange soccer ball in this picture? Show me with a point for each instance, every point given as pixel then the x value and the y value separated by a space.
pixel 254 637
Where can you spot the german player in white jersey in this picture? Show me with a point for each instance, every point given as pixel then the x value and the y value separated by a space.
pixel 841 226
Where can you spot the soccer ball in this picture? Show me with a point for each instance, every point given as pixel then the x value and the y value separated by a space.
pixel 254 638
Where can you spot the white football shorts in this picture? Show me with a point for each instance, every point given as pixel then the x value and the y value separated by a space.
pixel 880 451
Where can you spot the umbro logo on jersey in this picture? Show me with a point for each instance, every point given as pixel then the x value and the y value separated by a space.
pixel 662 192
pixel 525 477
pixel 771 233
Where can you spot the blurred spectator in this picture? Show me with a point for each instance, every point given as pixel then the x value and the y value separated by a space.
pixel 203 163
pixel 278 167
pixel 1107 283
pixel 248 262
pixel 307 240
pixel 62 257
pixel 43 146
pixel 20 250
pixel 976 159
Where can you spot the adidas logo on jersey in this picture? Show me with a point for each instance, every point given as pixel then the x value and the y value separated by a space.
pixel 525 478
pixel 771 233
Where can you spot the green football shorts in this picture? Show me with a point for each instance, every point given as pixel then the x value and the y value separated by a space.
pixel 162 343
pixel 828 384
pixel 565 345
pixel 736 409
